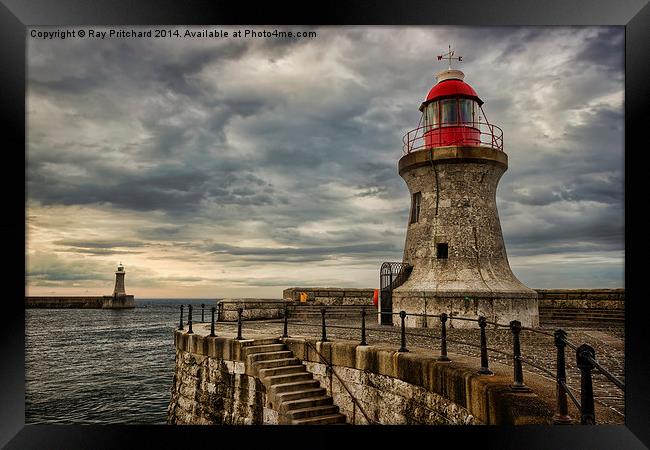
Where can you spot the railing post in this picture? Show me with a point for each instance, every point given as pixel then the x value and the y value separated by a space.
pixel 240 310
pixel 189 319
pixel 363 327
pixel 180 324
pixel 518 383
pixel 443 338
pixel 212 323
pixel 561 416
pixel 285 332
pixel 587 412
pixel 402 315
pixel 484 370
pixel 202 311
pixel 324 331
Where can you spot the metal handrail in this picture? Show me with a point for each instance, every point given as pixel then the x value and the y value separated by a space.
pixel 450 316
pixel 331 368
pixel 618 383
pixel 488 136
pixel 570 392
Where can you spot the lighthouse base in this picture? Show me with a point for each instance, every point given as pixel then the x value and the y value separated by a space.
pixel 499 307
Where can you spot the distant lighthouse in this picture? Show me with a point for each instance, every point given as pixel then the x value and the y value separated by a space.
pixel 454 257
pixel 119 282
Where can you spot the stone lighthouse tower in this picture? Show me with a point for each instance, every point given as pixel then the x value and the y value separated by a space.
pixel 454 246
pixel 119 282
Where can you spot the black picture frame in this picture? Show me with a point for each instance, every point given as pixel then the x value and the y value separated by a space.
pixel 16 15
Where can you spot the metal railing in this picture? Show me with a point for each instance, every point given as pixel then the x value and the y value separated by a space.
pixel 586 360
pixel 355 400
pixel 478 134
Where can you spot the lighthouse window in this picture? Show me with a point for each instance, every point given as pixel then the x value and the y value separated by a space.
pixel 449 111
pixel 466 110
pixel 415 207
pixel 432 116
pixel 442 251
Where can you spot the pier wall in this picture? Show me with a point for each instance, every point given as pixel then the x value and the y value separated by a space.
pixel 213 384
pixel 81 302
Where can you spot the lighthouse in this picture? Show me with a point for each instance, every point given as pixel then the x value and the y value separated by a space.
pixel 119 282
pixel 455 260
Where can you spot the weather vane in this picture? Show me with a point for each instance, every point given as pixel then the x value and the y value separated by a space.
pixel 449 56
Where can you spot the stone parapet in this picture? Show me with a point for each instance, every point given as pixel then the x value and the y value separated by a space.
pixel 253 308
pixel 416 388
pixel 329 296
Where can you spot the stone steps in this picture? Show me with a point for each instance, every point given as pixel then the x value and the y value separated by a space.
pixel 321 420
pixel 268 364
pixel 267 348
pixel 313 411
pixel 288 378
pixel 290 387
pixel 269 356
pixel 307 402
pixel 282 370
pixel 286 397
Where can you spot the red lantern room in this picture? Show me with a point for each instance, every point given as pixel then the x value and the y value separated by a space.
pixel 452 115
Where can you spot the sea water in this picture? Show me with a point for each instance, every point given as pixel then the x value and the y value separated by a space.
pixel 94 366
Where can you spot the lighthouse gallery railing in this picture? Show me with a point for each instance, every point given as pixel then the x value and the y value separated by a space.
pixel 479 134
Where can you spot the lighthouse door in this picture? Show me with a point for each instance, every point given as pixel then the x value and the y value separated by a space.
pixel 386 305
pixel 391 275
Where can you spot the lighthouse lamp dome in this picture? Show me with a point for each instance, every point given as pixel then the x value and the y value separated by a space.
pixel 452 115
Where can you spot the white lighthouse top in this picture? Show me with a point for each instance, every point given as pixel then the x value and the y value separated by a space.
pixel 120 268
pixel 449 74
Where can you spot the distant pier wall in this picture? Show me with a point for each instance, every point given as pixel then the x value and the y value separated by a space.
pixel 252 308
pixel 548 298
pixel 582 298
pixel 85 302
pixel 331 296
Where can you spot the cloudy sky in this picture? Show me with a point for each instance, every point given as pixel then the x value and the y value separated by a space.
pixel 242 166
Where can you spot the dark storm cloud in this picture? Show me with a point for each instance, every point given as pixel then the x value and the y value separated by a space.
pixel 597 234
pixel 604 51
pixel 299 254
pixel 177 190
pixel 45 269
pixel 160 232
pixel 98 243
pixel 100 251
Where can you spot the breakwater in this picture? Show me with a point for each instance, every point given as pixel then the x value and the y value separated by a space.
pixel 81 302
